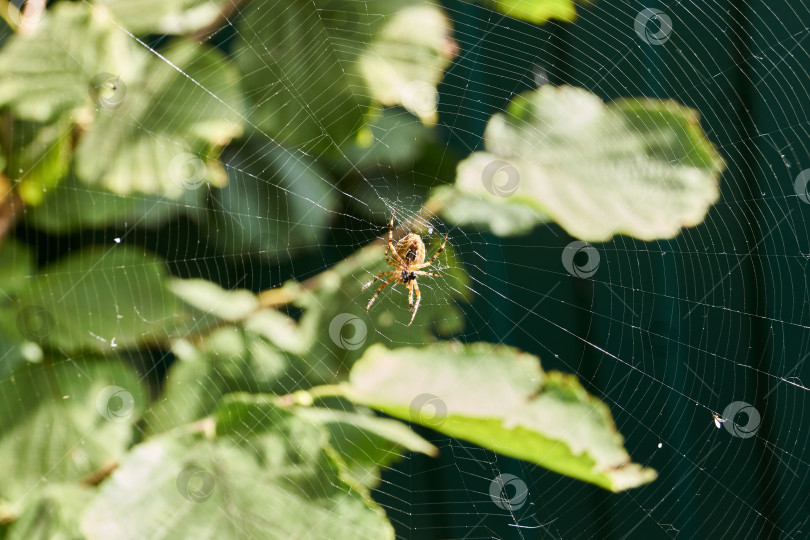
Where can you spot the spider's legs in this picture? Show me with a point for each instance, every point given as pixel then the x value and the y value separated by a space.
pixel 410 295
pixel 376 294
pixel 434 255
pixel 421 273
pixel 399 259
pixel 378 276
pixel 418 299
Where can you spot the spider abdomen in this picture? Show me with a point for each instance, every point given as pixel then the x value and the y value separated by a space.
pixel 411 249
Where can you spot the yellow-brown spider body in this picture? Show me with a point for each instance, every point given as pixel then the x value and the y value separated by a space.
pixel 411 248
pixel 408 258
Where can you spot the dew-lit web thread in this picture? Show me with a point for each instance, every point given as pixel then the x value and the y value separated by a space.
pixel 245 119
pixel 750 367
pixel 460 239
pixel 227 165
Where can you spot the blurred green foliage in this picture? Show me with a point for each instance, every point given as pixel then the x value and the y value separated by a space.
pixel 124 116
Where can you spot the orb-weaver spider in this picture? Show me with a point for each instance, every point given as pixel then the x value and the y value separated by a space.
pixel 408 258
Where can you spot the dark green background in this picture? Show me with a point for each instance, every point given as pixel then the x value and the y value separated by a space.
pixel 717 315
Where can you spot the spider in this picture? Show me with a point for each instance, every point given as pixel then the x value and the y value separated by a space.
pixel 408 257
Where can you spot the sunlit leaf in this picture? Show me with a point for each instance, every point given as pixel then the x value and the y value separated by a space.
pixel 501 399
pixel 165 17
pixel 52 513
pixel 313 69
pixel 211 298
pixel 504 216
pixel 267 475
pixel 638 167
pixel 50 71
pixel 39 158
pixel 403 67
pixel 166 132
pixel 537 11
pixel 282 330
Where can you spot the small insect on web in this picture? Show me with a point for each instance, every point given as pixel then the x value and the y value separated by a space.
pixel 407 257
pixel 718 420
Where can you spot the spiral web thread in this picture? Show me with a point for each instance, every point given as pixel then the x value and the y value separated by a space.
pixel 637 334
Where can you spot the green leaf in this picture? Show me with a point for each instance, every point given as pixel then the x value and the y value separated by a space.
pixel 39 158
pixel 264 475
pixel 191 391
pixel 210 298
pixel 166 132
pixel 17 267
pixel 74 206
pixel 165 17
pixel 503 216
pixel 53 513
pixel 49 71
pixel 360 441
pixel 103 299
pixel 281 330
pixel 276 200
pixel 639 167
pixel 366 442
pixel 63 421
pixel 501 399
pixel 313 70
pixel 15 273
pixel 394 139
pixel 403 67
pixel 538 11
pixel 230 359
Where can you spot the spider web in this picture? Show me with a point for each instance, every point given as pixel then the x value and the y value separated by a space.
pixel 666 332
